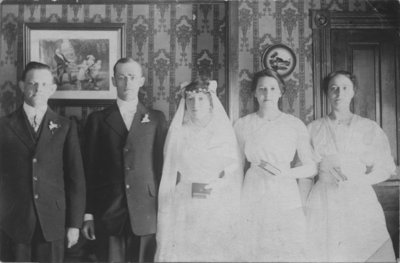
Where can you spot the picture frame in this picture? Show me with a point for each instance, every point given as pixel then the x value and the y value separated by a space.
pixel 81 58
pixel 280 58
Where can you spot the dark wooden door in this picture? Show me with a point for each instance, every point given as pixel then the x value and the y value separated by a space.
pixel 371 54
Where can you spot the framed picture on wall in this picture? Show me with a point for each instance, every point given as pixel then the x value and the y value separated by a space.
pixel 81 58
pixel 280 58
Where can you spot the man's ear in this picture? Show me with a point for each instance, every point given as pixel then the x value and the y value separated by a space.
pixel 142 81
pixel 53 89
pixel 113 81
pixel 21 85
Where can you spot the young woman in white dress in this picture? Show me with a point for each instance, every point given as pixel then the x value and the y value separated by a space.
pixel 346 221
pixel 274 224
pixel 201 154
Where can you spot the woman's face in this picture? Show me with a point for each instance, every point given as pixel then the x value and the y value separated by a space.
pixel 340 91
pixel 267 91
pixel 198 105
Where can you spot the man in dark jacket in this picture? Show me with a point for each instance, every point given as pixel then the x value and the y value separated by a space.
pixel 42 183
pixel 123 150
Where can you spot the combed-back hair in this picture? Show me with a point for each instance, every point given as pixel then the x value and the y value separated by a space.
pixel 124 61
pixel 33 65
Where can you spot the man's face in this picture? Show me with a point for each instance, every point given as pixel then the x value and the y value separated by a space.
pixel 128 79
pixel 38 87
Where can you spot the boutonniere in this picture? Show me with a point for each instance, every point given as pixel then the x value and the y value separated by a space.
pixel 145 118
pixel 53 126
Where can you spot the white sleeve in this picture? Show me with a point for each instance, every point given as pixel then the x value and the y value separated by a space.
pixel 88 217
pixel 308 166
pixel 382 165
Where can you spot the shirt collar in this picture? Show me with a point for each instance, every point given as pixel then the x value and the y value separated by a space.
pixel 127 105
pixel 31 111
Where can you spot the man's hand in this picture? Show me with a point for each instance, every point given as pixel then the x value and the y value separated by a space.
pixel 72 236
pixel 88 230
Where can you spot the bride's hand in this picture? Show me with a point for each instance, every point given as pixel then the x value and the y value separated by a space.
pixel 215 185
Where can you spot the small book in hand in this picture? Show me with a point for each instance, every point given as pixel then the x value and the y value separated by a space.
pixel 199 190
pixel 270 168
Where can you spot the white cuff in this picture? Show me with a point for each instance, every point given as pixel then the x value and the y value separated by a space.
pixel 87 217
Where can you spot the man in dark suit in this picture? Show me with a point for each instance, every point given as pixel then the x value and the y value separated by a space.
pixel 123 162
pixel 42 183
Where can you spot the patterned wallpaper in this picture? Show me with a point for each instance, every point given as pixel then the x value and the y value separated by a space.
pixel 174 43
pixel 268 22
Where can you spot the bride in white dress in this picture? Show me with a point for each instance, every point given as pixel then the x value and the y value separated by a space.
pixel 346 221
pixel 201 151
pixel 274 224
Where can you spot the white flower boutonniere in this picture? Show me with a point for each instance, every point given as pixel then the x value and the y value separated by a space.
pixel 53 126
pixel 145 118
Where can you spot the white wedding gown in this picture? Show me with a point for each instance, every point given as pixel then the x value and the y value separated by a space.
pixel 193 229
pixel 346 221
pixel 274 224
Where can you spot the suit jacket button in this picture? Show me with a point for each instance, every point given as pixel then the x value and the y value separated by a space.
pixel 127 168
pixel 36 196
pixel 128 186
pixel 34 160
pixel 35 178
pixel 126 149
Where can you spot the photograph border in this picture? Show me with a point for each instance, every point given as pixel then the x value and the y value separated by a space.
pixel 71 99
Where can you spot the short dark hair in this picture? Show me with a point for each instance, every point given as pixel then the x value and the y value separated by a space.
pixel 333 74
pixel 33 65
pixel 268 73
pixel 124 61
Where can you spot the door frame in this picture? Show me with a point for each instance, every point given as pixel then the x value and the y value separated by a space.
pixel 321 23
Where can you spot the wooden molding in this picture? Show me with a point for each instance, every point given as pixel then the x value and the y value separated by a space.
pixel 321 23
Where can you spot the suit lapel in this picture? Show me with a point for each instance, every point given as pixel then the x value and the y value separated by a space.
pixel 136 123
pixel 115 121
pixel 18 124
pixel 45 133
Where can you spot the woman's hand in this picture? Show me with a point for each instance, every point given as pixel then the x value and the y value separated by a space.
pixel 215 185
pixel 333 176
pixel 337 173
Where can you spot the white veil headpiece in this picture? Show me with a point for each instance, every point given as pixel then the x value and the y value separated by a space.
pixel 221 124
pixel 224 132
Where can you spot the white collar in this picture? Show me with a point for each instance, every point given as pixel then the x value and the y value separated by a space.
pixel 32 111
pixel 127 105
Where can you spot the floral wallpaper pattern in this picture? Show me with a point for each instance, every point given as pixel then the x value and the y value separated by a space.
pixel 174 43
pixel 267 22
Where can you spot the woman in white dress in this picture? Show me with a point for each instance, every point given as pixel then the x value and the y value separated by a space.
pixel 274 224
pixel 346 221
pixel 199 193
